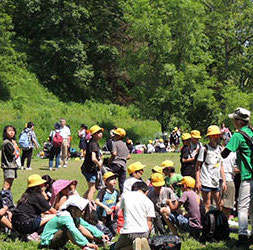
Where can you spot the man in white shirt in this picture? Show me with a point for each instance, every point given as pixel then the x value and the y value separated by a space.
pixel 138 212
pixel 65 133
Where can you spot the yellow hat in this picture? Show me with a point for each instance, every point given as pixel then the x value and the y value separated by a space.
pixel 35 180
pixel 188 181
pixel 94 129
pixel 167 163
pixel 161 140
pixel 158 169
pixel 135 167
pixel 120 132
pixel 175 129
pixel 157 180
pixel 108 175
pixel 129 141
pixel 150 141
pixel 195 134
pixel 213 130
pixel 186 136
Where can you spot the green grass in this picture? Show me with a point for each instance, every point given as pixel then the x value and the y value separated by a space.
pixel 73 172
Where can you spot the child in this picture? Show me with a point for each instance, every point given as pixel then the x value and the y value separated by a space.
pixel 163 198
pixel 155 169
pixel 48 186
pixel 8 162
pixel 135 170
pixel 28 152
pixel 82 133
pixel 107 198
pixel 186 159
pixel 150 147
pixel 55 150
pixel 191 222
pixel 68 225
pixel 172 178
pixel 209 169
pixel 62 189
pixel 32 210
pixel 92 162
pixel 195 144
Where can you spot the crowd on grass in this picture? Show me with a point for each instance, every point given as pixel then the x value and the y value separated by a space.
pixel 213 177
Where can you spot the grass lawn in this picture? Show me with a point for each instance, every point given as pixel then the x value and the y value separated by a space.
pixel 40 166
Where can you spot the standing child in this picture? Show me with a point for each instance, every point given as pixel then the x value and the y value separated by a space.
pixel 92 162
pixel 107 198
pixel 56 140
pixel 209 169
pixel 8 162
pixel 186 159
pixel 82 133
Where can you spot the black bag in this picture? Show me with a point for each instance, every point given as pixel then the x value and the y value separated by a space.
pixel 215 227
pixel 164 242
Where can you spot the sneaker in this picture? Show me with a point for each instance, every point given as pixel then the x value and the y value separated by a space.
pixel 22 167
pixel 65 166
pixel 50 169
pixel 29 169
pixel 55 169
pixel 34 237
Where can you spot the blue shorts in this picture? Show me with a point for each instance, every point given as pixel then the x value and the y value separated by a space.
pixel 90 177
pixel 209 189
pixel 181 221
pixel 27 227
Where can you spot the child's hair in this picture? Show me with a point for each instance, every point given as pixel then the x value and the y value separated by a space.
pixel 49 180
pixel 28 192
pixel 30 124
pixel 140 185
pixel 5 132
pixel 245 123
pixel 84 126
pixel 172 169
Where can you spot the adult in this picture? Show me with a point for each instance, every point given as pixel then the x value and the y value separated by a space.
pixel 138 213
pixel 82 134
pixel 92 163
pixel 174 139
pixel 65 133
pixel 119 156
pixel 238 143
pixel 32 141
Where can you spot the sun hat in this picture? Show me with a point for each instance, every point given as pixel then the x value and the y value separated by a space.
pixel 160 140
pixel 175 129
pixel 94 129
pixel 167 163
pixel 157 180
pixel 150 141
pixel 35 180
pixel 109 174
pixel 240 114
pixel 186 136
pixel 76 201
pixel 158 169
pixel 119 131
pixel 188 181
pixel 195 134
pixel 135 167
pixel 58 186
pixel 213 130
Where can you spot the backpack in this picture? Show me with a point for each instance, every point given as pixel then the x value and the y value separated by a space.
pixel 24 140
pixel 165 242
pixel 215 226
pixel 57 140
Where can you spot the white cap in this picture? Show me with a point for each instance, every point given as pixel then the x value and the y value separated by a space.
pixel 240 114
pixel 76 201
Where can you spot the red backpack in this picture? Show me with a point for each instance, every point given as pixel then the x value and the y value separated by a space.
pixel 57 140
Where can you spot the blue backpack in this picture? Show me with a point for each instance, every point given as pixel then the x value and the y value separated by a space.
pixel 24 141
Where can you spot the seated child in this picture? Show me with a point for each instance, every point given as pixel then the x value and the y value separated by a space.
pixel 163 198
pixel 190 222
pixel 155 169
pixel 107 198
pixel 5 217
pixel 32 210
pixel 68 225
pixel 48 186
pixel 135 170
pixel 172 178
pixel 62 189
pixel 150 147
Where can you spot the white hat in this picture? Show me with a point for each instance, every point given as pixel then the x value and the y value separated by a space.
pixel 240 114
pixel 76 201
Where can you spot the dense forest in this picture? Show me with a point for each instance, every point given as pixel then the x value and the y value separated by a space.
pixel 180 62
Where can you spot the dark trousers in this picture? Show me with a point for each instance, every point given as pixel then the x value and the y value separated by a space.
pixel 27 154
pixel 121 172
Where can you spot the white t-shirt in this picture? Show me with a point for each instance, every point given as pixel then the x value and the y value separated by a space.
pixel 137 207
pixel 65 132
pixel 129 183
pixel 210 170
pixel 229 164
